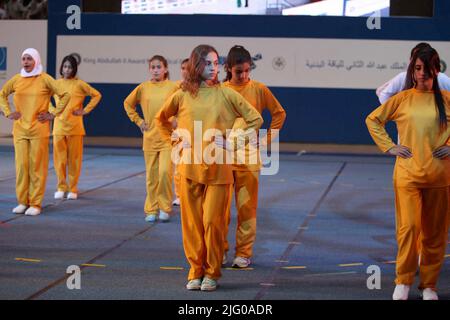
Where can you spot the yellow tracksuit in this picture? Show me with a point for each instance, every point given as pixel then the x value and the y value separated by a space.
pixel 421 183
pixel 246 176
pixel 204 185
pixel 68 132
pixel 157 149
pixel 31 137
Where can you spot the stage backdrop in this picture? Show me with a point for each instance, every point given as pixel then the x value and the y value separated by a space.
pixel 324 70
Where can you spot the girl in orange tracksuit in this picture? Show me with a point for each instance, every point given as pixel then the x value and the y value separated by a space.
pixel 421 174
pixel 204 107
pixel 32 90
pixel 68 129
pixel 246 175
pixel 157 149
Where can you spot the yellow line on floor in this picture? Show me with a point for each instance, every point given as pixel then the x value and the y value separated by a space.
pixel 294 242
pixel 447 256
pixel 27 260
pixel 390 262
pixel 277 180
pixel 93 265
pixel 282 261
pixel 244 269
pixel 294 267
pixel 351 264
pixel 171 268
pixel 329 274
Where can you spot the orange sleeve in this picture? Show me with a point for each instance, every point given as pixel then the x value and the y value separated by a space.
pixel 377 120
pixel 95 95
pixel 130 106
pixel 277 112
pixel 164 116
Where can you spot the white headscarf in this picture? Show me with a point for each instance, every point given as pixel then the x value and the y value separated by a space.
pixel 37 70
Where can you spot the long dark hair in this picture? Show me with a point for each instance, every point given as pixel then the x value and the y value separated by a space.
pixel 428 53
pixel 236 55
pixel 195 67
pixel 163 61
pixel 409 81
pixel 73 63
pixel 432 66
pixel 419 46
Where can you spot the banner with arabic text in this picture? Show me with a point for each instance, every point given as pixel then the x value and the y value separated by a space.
pixel 280 62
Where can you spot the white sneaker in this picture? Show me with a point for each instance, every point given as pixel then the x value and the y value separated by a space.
pixel 163 216
pixel 194 284
pixel 150 218
pixel 241 262
pixel 176 202
pixel 72 196
pixel 208 284
pixel 429 294
pixel 32 211
pixel 20 209
pixel 401 292
pixel 224 259
pixel 59 195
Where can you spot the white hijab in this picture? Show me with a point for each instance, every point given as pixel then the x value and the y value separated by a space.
pixel 37 63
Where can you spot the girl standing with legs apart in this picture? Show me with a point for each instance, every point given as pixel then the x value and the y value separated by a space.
pixel 32 90
pixel 421 174
pixel 246 175
pixel 151 95
pixel 205 107
pixel 68 129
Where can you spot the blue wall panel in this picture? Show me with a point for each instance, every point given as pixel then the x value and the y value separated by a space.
pixel 314 115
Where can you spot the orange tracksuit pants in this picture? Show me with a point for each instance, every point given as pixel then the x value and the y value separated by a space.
pixel 67 157
pixel 202 222
pixel 421 213
pixel 159 181
pixel 31 157
pixel 246 197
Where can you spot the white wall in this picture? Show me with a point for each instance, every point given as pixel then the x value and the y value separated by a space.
pixel 16 36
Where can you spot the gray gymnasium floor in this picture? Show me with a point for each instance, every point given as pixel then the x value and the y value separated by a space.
pixel 322 221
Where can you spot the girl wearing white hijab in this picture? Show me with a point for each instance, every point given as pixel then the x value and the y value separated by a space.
pixel 32 90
